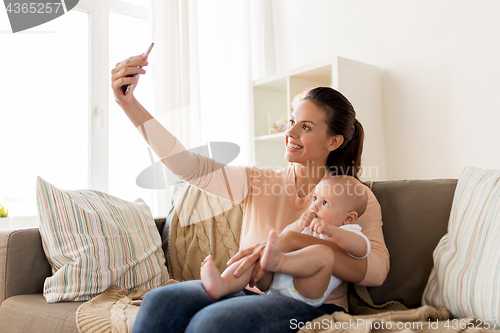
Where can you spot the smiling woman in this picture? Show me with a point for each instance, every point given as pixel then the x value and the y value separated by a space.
pixel 264 210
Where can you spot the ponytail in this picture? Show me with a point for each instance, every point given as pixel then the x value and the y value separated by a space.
pixel 346 160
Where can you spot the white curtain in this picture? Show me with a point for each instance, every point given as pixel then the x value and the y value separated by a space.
pixel 176 77
pixel 176 73
pixel 262 38
pixel 205 50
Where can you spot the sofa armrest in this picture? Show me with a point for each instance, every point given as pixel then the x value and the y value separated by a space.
pixel 23 265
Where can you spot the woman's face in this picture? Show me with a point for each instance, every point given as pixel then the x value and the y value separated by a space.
pixel 307 141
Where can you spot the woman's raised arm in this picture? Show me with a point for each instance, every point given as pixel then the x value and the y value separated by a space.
pixel 205 173
pixel 158 137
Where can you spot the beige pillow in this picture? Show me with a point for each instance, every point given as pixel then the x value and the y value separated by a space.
pixel 93 240
pixel 466 273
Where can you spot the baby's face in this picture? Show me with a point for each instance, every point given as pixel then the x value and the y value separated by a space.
pixel 329 204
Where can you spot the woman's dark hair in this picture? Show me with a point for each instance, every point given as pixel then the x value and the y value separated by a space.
pixel 341 119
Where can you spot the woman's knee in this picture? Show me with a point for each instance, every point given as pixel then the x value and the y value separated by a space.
pixel 169 308
pixel 155 296
pixel 219 318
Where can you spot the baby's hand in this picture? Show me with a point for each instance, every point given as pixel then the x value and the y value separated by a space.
pixel 321 227
pixel 306 219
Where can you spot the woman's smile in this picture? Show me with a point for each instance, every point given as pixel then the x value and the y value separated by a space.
pixel 292 146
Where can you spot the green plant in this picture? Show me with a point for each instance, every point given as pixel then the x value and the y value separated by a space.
pixel 3 212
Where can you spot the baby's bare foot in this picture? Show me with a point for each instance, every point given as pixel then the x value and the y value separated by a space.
pixel 211 279
pixel 272 253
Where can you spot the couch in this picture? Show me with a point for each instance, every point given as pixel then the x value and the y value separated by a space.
pixel 415 215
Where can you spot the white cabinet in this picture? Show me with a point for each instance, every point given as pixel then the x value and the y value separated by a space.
pixel 359 82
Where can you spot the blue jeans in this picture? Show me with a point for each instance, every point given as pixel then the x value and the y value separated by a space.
pixel 186 307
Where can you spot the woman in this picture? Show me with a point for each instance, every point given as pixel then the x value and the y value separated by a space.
pixel 323 134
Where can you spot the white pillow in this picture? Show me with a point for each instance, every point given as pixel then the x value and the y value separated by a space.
pixel 466 273
pixel 93 240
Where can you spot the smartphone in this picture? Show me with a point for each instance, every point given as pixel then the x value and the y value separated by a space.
pixel 131 87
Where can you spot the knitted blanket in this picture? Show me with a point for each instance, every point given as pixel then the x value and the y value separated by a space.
pixel 113 311
pixel 200 224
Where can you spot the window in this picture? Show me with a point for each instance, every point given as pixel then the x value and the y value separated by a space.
pixel 57 113
pixel 44 109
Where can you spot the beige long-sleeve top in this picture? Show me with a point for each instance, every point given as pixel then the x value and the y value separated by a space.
pixel 269 199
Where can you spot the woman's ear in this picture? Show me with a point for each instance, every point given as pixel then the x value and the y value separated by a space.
pixel 336 141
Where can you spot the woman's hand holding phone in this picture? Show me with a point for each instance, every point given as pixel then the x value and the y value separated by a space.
pixel 122 75
pixel 125 76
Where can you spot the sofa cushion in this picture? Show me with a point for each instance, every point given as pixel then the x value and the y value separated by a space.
pixel 466 274
pixel 32 313
pixel 23 264
pixel 415 215
pixel 93 240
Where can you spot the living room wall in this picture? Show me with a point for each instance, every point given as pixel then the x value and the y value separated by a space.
pixel 440 72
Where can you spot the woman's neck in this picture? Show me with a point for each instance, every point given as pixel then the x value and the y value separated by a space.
pixel 307 177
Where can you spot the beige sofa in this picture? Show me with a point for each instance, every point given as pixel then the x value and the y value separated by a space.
pixel 415 215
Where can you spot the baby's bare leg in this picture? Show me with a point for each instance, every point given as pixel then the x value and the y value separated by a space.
pixel 217 285
pixel 310 266
pixel 320 260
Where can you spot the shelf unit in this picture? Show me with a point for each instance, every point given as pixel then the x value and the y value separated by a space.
pixel 359 82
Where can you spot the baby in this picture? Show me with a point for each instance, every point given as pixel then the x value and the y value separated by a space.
pixel 305 274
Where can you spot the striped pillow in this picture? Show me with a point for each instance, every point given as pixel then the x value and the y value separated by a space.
pixel 92 240
pixel 466 273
